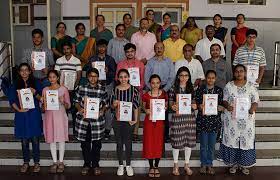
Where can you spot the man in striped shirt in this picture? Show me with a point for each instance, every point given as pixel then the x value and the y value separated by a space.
pixel 250 54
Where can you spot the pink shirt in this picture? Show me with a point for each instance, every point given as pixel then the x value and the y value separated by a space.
pixel 125 64
pixel 144 45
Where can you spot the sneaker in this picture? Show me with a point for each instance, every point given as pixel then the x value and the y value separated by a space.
pixel 120 170
pixel 245 171
pixel 129 171
pixel 233 169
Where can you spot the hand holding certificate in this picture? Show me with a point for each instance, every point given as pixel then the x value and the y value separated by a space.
pixel 68 79
pixel 157 108
pixel 134 76
pixel 100 66
pixel 26 99
pixel 184 103
pixel 252 74
pixel 210 104
pixel 51 100
pixel 91 108
pixel 38 60
pixel 241 108
pixel 124 111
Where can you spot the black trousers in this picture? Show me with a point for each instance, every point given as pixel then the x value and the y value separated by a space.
pixel 91 150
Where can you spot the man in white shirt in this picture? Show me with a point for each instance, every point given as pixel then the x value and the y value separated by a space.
pixel 202 48
pixel 192 64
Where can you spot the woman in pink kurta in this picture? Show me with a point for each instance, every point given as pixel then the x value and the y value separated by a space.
pixel 55 122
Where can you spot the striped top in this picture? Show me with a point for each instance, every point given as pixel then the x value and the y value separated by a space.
pixel 246 57
pixel 73 64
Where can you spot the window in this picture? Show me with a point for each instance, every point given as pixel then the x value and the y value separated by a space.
pixel 22 14
pixel 251 2
pixel 30 1
pixel 176 15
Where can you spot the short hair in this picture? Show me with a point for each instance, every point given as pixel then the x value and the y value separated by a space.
pixel 37 31
pixel 127 14
pixel 149 10
pixel 92 70
pixel 240 15
pixel 210 71
pixel 153 77
pixel 99 15
pixel 174 25
pixel 60 24
pixel 67 44
pixel 143 19
pixel 128 46
pixel 209 26
pixel 166 14
pixel 218 45
pixel 101 42
pixel 251 32
pixel 119 25
pixel 188 45
pixel 79 24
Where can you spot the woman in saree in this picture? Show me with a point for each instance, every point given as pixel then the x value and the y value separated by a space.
pixel 85 46
pixel 164 30
pixel 190 32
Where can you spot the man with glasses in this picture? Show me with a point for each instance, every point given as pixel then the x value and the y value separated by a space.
pixel 252 56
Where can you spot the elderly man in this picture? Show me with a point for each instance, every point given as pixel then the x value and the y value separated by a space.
pixel 144 42
pixel 174 45
pixel 218 64
pixel 101 32
pixel 202 48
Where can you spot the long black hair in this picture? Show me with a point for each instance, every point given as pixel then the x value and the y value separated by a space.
pixel 20 84
pixel 187 23
pixel 189 85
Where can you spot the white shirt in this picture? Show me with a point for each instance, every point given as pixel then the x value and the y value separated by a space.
pixel 73 64
pixel 202 48
pixel 194 66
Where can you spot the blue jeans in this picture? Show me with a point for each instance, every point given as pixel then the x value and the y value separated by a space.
pixel 35 149
pixel 207 148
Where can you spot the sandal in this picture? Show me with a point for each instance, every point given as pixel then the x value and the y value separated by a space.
pixel 202 170
pixel 97 171
pixel 175 171
pixel 24 168
pixel 245 171
pixel 85 170
pixel 210 170
pixel 188 170
pixel 36 168
pixel 151 172
pixel 53 168
pixel 233 169
pixel 157 173
pixel 60 168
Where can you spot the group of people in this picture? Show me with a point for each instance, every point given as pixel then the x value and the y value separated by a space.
pixel 168 62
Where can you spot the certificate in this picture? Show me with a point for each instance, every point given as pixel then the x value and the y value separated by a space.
pixel 68 79
pixel 51 100
pixel 124 112
pixel 157 109
pixel 38 60
pixel 210 104
pixel 100 66
pixel 134 76
pixel 184 103
pixel 252 73
pixel 91 108
pixel 241 108
pixel 26 99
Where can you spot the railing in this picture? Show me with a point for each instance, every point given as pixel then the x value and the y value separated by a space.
pixel 7 59
pixel 276 69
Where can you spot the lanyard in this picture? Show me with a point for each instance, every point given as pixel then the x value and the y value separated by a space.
pixel 251 58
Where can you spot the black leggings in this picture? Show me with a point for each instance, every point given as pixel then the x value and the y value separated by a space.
pixel 151 162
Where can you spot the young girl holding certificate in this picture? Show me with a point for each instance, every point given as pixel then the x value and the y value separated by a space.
pixel 208 125
pixel 91 101
pixel 28 122
pixel 56 121
pixel 123 127
pixel 182 126
pixel 153 140
pixel 241 98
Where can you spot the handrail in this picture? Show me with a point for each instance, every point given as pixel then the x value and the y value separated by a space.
pixel 7 46
pixel 276 68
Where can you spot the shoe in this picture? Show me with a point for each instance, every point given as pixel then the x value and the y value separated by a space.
pixel 107 134
pixel 245 171
pixel 202 170
pixel 120 171
pixel 151 172
pixel 135 137
pixel 53 168
pixel 97 171
pixel 129 171
pixel 85 170
pixel 210 170
pixel 24 168
pixel 233 169
pixel 175 170
pixel 36 168
pixel 60 168
pixel 188 170
pixel 157 173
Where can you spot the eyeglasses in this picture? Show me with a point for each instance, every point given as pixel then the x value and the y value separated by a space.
pixel 252 37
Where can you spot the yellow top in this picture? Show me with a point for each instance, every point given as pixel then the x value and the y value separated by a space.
pixel 174 50
pixel 191 37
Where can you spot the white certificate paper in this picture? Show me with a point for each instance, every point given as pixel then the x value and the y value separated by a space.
pixel 134 76
pixel 241 108
pixel 100 66
pixel 124 111
pixel 26 99
pixel 52 100
pixel 91 108
pixel 252 74
pixel 157 109
pixel 210 102
pixel 68 79
pixel 38 60
pixel 184 102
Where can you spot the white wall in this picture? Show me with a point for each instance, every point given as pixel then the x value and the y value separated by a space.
pixel 201 8
pixel 75 8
